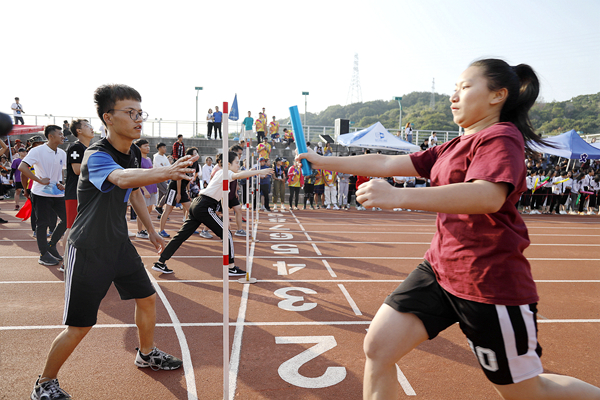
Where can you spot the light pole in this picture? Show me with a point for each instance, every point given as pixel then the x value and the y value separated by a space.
pixel 305 94
pixel 198 88
pixel 400 104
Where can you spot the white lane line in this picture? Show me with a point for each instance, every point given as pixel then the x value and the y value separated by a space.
pixel 266 323
pixel 308 237
pixel 236 350
pixel 350 299
pixel 316 249
pixel 404 383
pixel 185 350
pixel 329 269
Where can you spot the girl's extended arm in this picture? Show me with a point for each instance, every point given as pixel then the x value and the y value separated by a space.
pixel 364 165
pixel 476 197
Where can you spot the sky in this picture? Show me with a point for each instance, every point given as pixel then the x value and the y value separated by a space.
pixel 269 52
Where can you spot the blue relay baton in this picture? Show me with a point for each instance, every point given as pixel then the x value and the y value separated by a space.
pixel 299 138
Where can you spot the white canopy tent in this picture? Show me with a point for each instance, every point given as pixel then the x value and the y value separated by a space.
pixel 378 138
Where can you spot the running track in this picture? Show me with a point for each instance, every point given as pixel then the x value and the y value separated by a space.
pixel 298 332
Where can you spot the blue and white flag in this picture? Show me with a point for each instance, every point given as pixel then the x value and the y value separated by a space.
pixel 234 113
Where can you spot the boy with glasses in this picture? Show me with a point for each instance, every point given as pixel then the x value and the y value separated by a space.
pixel 100 251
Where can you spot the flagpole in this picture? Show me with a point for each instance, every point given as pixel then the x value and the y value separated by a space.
pixel 225 204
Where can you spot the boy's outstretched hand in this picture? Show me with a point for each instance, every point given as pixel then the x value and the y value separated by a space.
pixel 179 169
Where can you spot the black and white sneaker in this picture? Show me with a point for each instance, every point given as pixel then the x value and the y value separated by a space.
pixel 143 234
pixel 157 359
pixel 49 390
pixel 235 271
pixel 48 259
pixel 162 267
pixel 52 250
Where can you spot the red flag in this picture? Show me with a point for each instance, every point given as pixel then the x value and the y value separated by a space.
pixel 25 211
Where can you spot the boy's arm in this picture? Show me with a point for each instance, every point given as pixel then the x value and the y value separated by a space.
pixel 364 165
pixel 137 177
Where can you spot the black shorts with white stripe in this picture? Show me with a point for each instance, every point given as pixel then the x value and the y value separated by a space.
pixel 503 338
pixel 89 274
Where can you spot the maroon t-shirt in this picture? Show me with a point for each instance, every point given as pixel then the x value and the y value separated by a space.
pixel 479 257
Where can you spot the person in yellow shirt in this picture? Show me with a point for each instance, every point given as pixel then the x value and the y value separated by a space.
pixel 319 189
pixel 261 124
pixel 264 149
pixel 288 137
pixel 329 178
pixel 295 182
pixel 274 131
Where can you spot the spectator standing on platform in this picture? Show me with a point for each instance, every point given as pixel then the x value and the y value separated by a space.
pixel 49 161
pixel 218 120
pixel 433 141
pixel 295 181
pixel 210 123
pixel 18 112
pixel 408 132
pixel 247 124
pixel 149 191
pixel 66 128
pixel 178 148
pixel 84 132
pixel 15 175
pixel 279 178
pixel 260 124
pixel 161 160
pixel 274 131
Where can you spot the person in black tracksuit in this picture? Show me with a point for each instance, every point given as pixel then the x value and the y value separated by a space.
pixel 203 210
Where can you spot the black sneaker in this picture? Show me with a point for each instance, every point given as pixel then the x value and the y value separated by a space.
pixel 48 259
pixel 162 267
pixel 157 359
pixel 49 390
pixel 52 250
pixel 235 271
pixel 159 210
pixel 3 221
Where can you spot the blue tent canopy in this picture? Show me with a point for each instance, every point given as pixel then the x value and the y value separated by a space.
pixel 568 145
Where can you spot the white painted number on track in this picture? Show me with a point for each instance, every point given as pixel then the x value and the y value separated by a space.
pixel 276 220
pixel 289 300
pixel 289 370
pixel 278 228
pixel 285 249
pixel 283 270
pixel 281 236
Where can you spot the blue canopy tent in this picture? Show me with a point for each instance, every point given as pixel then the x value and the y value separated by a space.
pixel 568 145
pixel 376 137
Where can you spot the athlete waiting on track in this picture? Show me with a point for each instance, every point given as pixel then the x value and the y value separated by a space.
pixel 475 272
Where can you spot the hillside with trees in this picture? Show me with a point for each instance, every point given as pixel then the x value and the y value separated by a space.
pixel 581 113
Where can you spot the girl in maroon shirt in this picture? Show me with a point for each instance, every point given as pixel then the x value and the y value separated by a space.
pixel 475 272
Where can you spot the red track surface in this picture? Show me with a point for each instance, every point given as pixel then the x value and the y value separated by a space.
pixel 365 254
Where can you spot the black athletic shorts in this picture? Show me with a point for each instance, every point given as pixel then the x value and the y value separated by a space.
pixel 18 185
pixel 172 193
pixel 89 274
pixel 503 338
pixel 234 202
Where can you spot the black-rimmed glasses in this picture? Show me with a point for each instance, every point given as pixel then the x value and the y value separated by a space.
pixel 134 114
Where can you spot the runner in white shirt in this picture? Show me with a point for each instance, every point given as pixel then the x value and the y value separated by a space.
pixel 203 210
